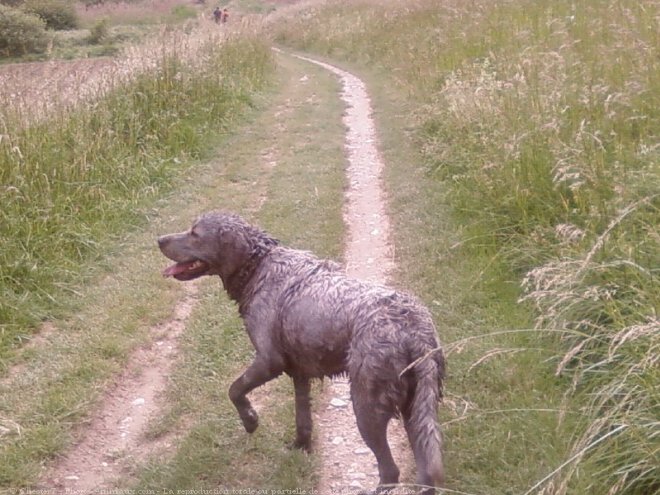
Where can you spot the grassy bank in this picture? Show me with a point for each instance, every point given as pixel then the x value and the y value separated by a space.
pixel 73 180
pixel 538 125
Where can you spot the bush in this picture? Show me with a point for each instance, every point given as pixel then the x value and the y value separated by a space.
pixel 92 3
pixel 183 12
pixel 99 32
pixel 21 33
pixel 58 14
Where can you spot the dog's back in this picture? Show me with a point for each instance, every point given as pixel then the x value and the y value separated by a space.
pixel 321 320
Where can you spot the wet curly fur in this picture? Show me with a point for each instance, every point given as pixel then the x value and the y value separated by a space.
pixel 307 319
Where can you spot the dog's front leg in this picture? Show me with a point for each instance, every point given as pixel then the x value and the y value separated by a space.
pixel 258 373
pixel 303 414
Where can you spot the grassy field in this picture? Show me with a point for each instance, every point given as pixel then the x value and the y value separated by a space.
pixel 74 296
pixel 83 173
pixel 521 142
pixel 289 181
pixel 537 126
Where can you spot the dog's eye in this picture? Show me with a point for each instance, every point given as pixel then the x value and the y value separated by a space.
pixel 193 234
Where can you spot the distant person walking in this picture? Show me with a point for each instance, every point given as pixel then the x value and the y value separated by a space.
pixel 225 15
pixel 217 15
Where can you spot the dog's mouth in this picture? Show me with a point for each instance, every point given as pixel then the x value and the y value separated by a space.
pixel 186 270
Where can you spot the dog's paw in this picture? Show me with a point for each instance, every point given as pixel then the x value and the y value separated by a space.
pixel 303 444
pixel 250 420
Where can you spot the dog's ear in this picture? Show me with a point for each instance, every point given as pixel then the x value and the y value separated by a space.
pixel 233 250
pixel 233 240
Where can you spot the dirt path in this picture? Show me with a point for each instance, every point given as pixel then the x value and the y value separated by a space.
pixel 113 437
pixel 347 465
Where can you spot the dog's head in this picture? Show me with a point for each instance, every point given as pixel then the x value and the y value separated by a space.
pixel 218 243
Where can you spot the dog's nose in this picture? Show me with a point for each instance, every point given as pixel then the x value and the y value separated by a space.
pixel 162 240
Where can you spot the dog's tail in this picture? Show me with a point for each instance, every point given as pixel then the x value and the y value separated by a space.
pixel 421 418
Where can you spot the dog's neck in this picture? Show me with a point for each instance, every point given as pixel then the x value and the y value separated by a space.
pixel 237 284
pixel 237 281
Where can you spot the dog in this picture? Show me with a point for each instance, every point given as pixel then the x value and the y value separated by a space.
pixel 308 319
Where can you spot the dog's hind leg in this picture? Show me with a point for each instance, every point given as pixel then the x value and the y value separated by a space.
pixel 428 474
pixel 373 428
pixel 303 414
pixel 258 373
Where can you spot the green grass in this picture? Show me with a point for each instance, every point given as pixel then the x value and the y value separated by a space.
pixel 65 374
pixel 75 186
pixel 521 142
pixel 74 180
pixel 252 6
pixel 291 182
pixel 503 410
pixel 537 124
pixel 102 38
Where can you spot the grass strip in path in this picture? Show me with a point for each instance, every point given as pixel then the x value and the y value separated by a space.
pixel 282 160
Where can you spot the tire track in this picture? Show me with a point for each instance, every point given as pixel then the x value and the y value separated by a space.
pixel 347 465
pixel 112 439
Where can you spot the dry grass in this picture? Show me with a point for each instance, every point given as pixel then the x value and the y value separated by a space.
pixel 29 92
pixel 34 91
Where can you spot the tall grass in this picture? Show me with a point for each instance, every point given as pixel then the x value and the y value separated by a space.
pixel 84 171
pixel 542 119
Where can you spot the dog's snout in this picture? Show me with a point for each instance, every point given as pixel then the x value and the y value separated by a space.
pixel 162 241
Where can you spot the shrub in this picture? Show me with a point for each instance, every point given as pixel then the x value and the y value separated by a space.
pixel 57 14
pixel 183 12
pixel 21 33
pixel 99 32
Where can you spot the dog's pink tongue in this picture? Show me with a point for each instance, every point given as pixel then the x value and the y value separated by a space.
pixel 177 268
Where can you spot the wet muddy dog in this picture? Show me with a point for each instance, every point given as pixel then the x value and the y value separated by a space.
pixel 307 319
